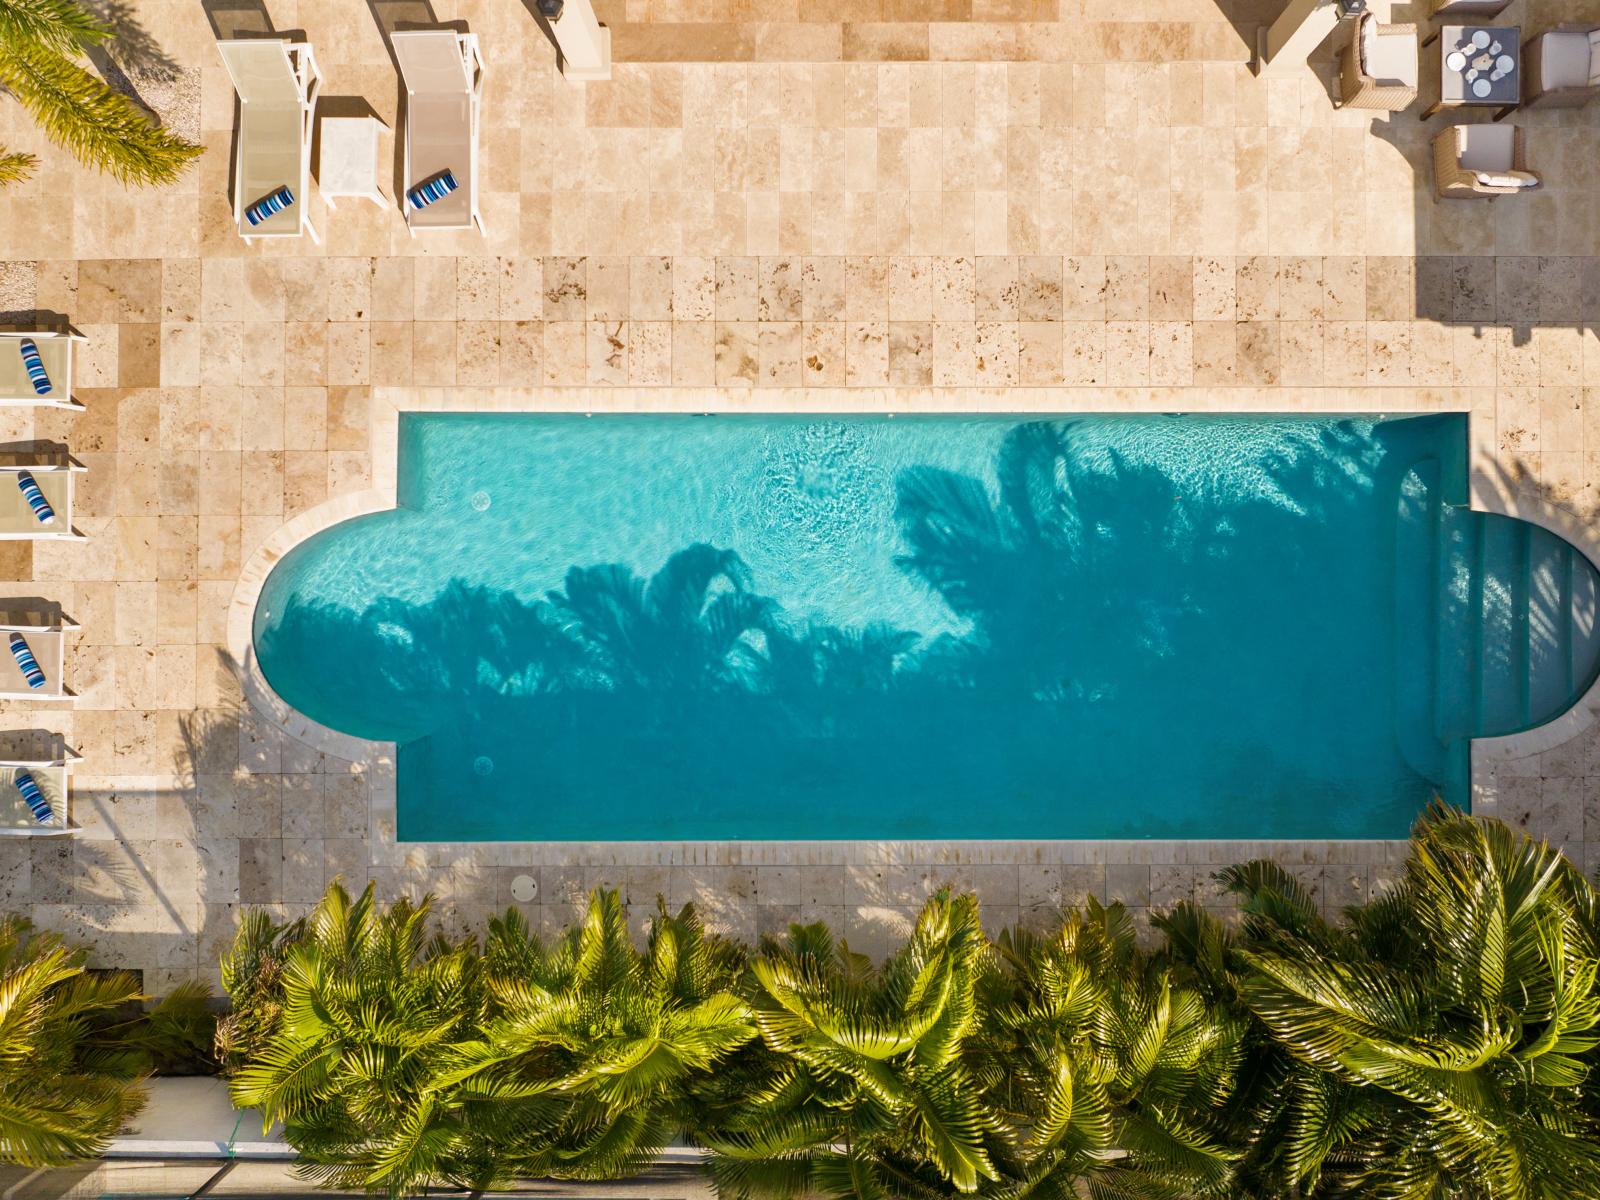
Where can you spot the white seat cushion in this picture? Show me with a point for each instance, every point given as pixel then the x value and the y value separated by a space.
pixel 1507 179
pixel 1486 147
pixel 1564 59
pixel 1392 60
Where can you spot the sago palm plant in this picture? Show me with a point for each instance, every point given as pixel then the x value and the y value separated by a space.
pixel 1108 1072
pixel 42 44
pixel 1437 1041
pixel 868 1093
pixel 370 1008
pixel 593 1045
pixel 67 1081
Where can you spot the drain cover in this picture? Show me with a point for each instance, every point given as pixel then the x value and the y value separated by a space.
pixel 483 765
pixel 524 888
pixel 481 501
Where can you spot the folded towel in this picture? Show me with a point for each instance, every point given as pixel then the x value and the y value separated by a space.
pixel 429 190
pixel 33 797
pixel 31 671
pixel 35 497
pixel 271 203
pixel 34 366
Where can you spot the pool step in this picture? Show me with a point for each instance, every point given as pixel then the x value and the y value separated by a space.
pixel 1518 635
pixel 1498 625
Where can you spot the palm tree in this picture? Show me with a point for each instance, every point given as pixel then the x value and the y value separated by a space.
pixel 1109 1072
pixel 592 1047
pixel 252 977
pixel 370 1008
pixel 41 45
pixel 1437 1040
pixel 68 1080
pixel 868 1094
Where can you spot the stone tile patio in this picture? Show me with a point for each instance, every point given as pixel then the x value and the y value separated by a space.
pixel 1135 223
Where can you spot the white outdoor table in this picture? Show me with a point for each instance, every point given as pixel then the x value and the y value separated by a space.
pixel 349 162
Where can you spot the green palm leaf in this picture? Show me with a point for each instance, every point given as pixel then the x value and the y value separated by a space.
pixel 101 127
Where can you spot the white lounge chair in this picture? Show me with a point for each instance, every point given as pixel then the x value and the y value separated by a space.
pixel 55 351
pixel 47 642
pixel 18 521
pixel 443 74
pixel 53 777
pixel 277 81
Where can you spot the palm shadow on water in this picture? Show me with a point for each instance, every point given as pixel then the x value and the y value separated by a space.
pixel 1147 651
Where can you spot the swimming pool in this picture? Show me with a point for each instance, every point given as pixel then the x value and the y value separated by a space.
pixel 756 627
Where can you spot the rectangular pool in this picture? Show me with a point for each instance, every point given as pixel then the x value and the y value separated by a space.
pixel 752 627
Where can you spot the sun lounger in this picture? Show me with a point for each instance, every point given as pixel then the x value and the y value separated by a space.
pixel 277 81
pixel 36 368
pixel 36 501
pixel 443 75
pixel 34 797
pixel 33 660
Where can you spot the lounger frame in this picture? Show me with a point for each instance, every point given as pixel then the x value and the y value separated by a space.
pixel 49 646
pixel 56 776
pixel 301 64
pixel 472 62
pixel 50 343
pixel 62 476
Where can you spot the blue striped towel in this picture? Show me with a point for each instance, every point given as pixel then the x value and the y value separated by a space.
pixel 429 190
pixel 273 202
pixel 35 366
pixel 35 497
pixel 31 670
pixel 33 797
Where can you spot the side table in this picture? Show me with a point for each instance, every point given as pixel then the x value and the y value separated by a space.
pixel 348 165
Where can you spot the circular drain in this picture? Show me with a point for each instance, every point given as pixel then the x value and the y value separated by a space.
pixel 480 501
pixel 483 765
pixel 524 888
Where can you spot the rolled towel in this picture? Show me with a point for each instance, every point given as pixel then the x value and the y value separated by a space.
pixel 35 497
pixel 31 670
pixel 33 797
pixel 273 202
pixel 429 190
pixel 34 366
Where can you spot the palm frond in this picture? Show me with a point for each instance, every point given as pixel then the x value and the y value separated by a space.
pixel 101 127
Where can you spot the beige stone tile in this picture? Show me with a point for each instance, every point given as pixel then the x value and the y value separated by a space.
pixel 866 353
pixel 693 353
pixel 737 353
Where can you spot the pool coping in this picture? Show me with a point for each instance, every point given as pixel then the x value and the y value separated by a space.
pixel 388 403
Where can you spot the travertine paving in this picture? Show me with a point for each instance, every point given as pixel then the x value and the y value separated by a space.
pixel 1135 222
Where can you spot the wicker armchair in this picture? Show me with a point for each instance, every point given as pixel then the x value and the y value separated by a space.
pixel 1561 67
pixel 1471 10
pixel 1481 162
pixel 1379 67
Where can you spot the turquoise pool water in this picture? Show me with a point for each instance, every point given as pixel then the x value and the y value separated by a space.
pixel 677 627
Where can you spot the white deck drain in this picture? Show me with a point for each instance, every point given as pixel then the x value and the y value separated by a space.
pixel 483 765
pixel 524 888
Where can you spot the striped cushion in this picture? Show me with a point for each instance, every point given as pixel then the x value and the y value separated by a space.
pixel 33 797
pixel 31 670
pixel 35 366
pixel 273 202
pixel 35 497
pixel 429 190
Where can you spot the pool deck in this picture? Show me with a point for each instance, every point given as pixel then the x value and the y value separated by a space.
pixel 1025 210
